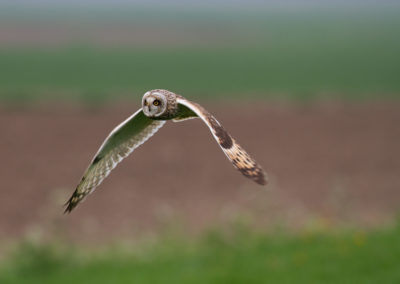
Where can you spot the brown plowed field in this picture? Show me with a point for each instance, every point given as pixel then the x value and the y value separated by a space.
pixel 328 164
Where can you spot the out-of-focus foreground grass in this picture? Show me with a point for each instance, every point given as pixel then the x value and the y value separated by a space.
pixel 242 257
pixel 301 54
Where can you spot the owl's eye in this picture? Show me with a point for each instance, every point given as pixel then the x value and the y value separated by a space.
pixel 145 102
pixel 156 102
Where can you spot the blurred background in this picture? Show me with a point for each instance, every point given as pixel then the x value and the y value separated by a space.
pixel 310 88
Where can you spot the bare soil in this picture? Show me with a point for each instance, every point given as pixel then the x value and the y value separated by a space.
pixel 328 164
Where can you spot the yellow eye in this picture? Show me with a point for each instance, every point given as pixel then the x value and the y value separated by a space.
pixel 156 102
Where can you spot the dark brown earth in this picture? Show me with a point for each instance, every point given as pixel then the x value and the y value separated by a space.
pixel 328 164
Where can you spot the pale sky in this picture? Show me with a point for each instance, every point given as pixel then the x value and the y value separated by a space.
pixel 208 3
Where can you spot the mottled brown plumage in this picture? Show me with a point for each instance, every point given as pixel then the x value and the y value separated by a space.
pixel 240 159
pixel 157 107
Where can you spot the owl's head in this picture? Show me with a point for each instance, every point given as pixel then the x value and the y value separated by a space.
pixel 154 103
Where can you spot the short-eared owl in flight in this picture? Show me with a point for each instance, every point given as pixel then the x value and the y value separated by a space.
pixel 158 106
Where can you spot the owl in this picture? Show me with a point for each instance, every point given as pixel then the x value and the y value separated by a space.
pixel 158 106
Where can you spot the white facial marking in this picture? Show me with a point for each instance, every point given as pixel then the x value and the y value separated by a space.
pixel 148 106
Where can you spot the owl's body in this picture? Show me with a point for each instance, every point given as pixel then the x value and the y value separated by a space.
pixel 158 106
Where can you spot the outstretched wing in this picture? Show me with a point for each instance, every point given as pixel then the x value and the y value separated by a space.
pixel 125 138
pixel 235 153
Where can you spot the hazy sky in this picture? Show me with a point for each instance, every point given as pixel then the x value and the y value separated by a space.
pixel 209 3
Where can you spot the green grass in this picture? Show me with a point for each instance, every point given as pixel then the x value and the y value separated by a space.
pixel 295 54
pixel 206 72
pixel 346 257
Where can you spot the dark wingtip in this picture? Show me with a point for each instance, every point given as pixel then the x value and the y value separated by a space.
pixel 260 177
pixel 70 205
pixel 262 180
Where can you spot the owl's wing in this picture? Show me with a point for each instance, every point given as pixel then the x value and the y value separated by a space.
pixel 235 153
pixel 125 138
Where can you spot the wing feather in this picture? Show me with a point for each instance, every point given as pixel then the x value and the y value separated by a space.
pixel 121 142
pixel 240 159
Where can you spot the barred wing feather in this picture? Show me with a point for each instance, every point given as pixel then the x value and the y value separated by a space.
pixel 240 159
pixel 125 138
